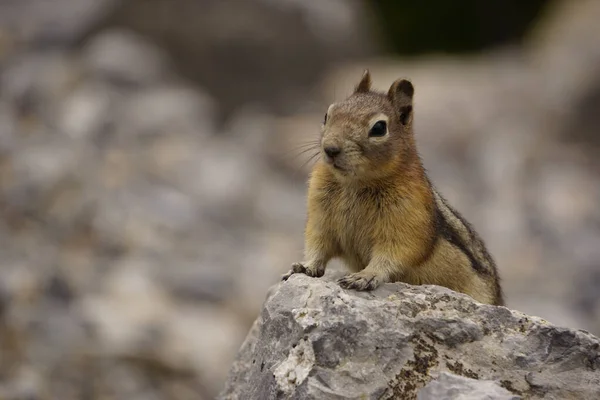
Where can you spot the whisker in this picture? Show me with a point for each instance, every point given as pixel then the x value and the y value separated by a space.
pixel 311 158
pixel 305 151
pixel 303 148
pixel 314 146
pixel 314 158
pixel 310 142
pixel 304 145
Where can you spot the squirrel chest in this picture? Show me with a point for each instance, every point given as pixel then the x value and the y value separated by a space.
pixel 352 215
pixel 355 217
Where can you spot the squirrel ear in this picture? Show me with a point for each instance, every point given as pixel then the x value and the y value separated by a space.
pixel 401 92
pixel 401 95
pixel 365 83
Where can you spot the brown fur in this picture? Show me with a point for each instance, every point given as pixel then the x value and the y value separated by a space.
pixel 375 208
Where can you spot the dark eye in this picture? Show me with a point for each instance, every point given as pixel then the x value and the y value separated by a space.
pixel 379 129
pixel 325 119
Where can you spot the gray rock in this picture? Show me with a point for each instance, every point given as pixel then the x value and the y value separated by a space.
pixel 168 108
pixel 87 111
pixel 314 340
pixel 454 387
pixel 58 22
pixel 231 50
pixel 125 57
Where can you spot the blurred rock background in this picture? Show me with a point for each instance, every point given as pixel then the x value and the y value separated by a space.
pixel 152 190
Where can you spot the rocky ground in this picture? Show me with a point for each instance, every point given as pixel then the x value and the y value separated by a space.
pixel 145 212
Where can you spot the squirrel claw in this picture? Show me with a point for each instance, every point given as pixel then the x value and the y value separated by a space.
pixel 299 268
pixel 359 281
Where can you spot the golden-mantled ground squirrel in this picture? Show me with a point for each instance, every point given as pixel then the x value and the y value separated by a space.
pixel 371 203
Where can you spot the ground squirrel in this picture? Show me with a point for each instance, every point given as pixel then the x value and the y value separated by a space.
pixel 371 203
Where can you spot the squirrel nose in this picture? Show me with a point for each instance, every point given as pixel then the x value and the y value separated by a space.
pixel 332 151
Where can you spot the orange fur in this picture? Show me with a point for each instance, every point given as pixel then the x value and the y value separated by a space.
pixel 374 207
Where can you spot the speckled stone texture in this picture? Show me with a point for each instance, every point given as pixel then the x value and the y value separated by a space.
pixel 314 340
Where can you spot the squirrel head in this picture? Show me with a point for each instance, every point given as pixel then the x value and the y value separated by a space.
pixel 369 134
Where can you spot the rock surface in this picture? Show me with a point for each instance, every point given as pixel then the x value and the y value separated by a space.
pixel 451 386
pixel 314 340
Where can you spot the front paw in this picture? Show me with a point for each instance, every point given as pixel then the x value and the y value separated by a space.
pixel 300 268
pixel 360 281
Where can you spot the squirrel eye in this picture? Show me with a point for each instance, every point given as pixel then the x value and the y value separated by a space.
pixel 325 119
pixel 379 129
